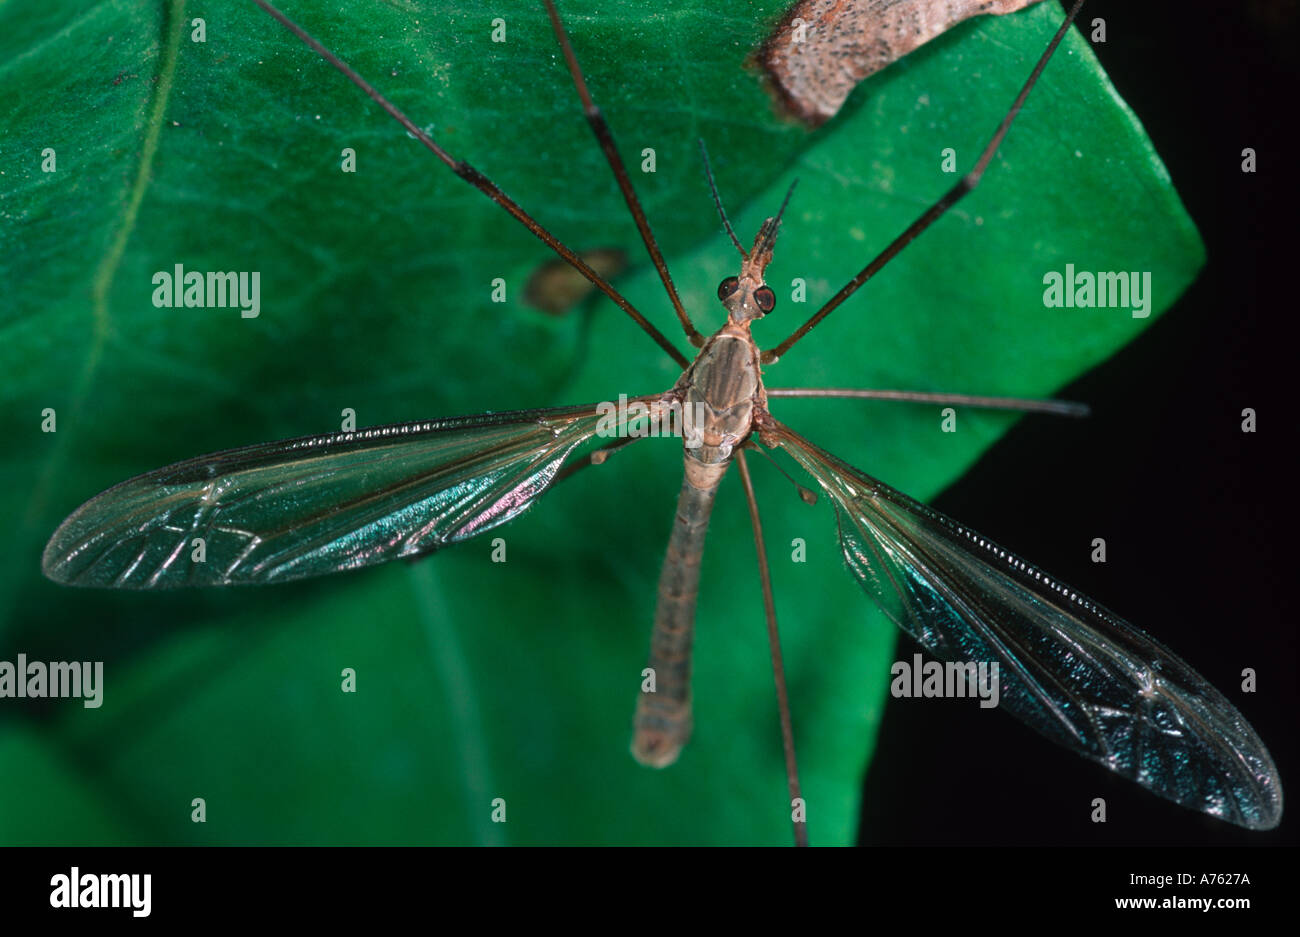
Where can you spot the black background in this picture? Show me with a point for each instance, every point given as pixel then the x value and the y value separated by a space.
pixel 1197 516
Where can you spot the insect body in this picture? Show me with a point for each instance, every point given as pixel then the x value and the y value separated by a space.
pixel 724 386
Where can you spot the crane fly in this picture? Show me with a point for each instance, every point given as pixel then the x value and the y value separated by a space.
pixel 287 510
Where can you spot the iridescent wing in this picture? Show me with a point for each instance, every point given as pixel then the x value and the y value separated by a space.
pixel 1068 667
pixel 304 507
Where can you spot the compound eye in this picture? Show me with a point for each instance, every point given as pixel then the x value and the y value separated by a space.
pixel 727 287
pixel 765 299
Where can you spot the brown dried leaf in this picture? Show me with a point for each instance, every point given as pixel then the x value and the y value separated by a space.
pixel 555 287
pixel 822 48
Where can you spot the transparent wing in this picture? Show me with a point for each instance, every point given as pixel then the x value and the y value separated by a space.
pixel 1068 667
pixel 304 507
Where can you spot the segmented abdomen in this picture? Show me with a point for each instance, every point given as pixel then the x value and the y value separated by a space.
pixel 663 718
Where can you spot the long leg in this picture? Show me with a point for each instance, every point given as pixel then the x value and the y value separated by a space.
pixel 932 214
pixel 1023 404
pixel 481 182
pixel 774 642
pixel 606 139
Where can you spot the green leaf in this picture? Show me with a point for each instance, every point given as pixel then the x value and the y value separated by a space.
pixel 479 680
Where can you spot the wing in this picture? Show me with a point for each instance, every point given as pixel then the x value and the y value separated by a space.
pixel 304 507
pixel 1068 667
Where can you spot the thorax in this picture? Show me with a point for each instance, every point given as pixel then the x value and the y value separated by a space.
pixel 719 394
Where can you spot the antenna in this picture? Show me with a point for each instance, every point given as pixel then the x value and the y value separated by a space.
pixel 717 200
